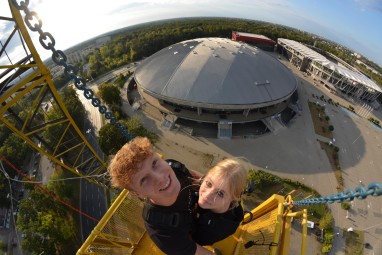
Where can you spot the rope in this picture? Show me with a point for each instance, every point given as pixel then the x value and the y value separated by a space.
pixel 48 42
pixel 3 158
pixel 360 192
pixel 52 195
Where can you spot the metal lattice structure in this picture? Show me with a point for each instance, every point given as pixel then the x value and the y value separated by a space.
pixel 27 95
pixel 266 231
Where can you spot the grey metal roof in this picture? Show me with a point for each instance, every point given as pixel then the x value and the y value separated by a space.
pixel 215 71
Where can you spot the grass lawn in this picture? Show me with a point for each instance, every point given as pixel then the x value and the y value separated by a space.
pixel 334 162
pixel 354 242
pixel 321 125
pixel 315 212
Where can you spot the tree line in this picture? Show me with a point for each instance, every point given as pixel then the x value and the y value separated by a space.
pixel 144 41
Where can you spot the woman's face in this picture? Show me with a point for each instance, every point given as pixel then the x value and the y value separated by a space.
pixel 214 194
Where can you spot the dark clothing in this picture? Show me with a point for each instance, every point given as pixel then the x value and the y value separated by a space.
pixel 213 227
pixel 170 227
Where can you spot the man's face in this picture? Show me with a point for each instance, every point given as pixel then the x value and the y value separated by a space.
pixel 214 194
pixel 156 181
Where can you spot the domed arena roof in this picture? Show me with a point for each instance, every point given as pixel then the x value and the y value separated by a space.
pixel 215 71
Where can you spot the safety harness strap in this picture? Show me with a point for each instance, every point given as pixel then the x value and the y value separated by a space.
pixel 167 219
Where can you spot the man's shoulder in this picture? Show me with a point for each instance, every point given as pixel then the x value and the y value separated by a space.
pixel 177 166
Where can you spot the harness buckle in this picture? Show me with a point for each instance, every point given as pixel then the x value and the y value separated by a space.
pixel 175 219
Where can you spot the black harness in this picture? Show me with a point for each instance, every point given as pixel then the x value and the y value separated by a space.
pixel 164 219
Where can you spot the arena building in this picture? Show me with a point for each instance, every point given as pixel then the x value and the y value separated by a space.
pixel 259 41
pixel 334 76
pixel 217 88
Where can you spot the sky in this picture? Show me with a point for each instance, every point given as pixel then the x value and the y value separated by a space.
pixel 351 23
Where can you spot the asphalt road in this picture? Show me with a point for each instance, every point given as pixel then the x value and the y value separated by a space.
pixel 93 197
pixel 93 203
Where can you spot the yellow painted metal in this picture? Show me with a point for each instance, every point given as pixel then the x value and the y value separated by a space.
pixel 266 227
pixel 304 231
pixel 285 236
pixel 29 121
pixel 120 231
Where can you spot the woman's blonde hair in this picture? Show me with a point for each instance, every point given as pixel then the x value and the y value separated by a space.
pixel 127 162
pixel 234 175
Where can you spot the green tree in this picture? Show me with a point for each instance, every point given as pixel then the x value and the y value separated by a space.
pixel 105 52
pixel 135 127
pixel 345 205
pixel 63 189
pixel 109 93
pixel 15 150
pixel 61 80
pixel 120 81
pixel 4 133
pixel 4 190
pixel 75 109
pixel 110 139
pixel 2 247
pixel 326 222
pixel 261 178
pixel 74 105
pixel 133 54
pixel 45 223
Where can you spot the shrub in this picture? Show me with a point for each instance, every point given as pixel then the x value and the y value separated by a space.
pixel 327 118
pixel 336 149
pixel 261 178
pixel 328 237
pixel 331 128
pixel 326 248
pixel 326 221
pixel 345 205
pixel 340 179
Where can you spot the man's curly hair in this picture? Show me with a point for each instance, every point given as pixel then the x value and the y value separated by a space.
pixel 128 160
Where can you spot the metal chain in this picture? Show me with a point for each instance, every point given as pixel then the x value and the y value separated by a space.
pixel 48 42
pixel 360 192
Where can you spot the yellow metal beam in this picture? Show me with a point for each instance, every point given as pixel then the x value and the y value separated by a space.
pixel 102 223
pixel 304 231
pixel 32 129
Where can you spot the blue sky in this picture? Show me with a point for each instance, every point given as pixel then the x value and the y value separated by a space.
pixel 352 23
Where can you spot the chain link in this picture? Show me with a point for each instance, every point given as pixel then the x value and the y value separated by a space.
pixel 47 41
pixel 360 192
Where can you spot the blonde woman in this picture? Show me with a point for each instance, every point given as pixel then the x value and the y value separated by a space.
pixel 219 209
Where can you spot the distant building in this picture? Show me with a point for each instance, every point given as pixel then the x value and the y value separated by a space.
pixel 367 67
pixel 260 41
pixel 80 55
pixel 333 76
pixel 218 88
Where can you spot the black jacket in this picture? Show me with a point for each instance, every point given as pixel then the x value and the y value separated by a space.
pixel 170 227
